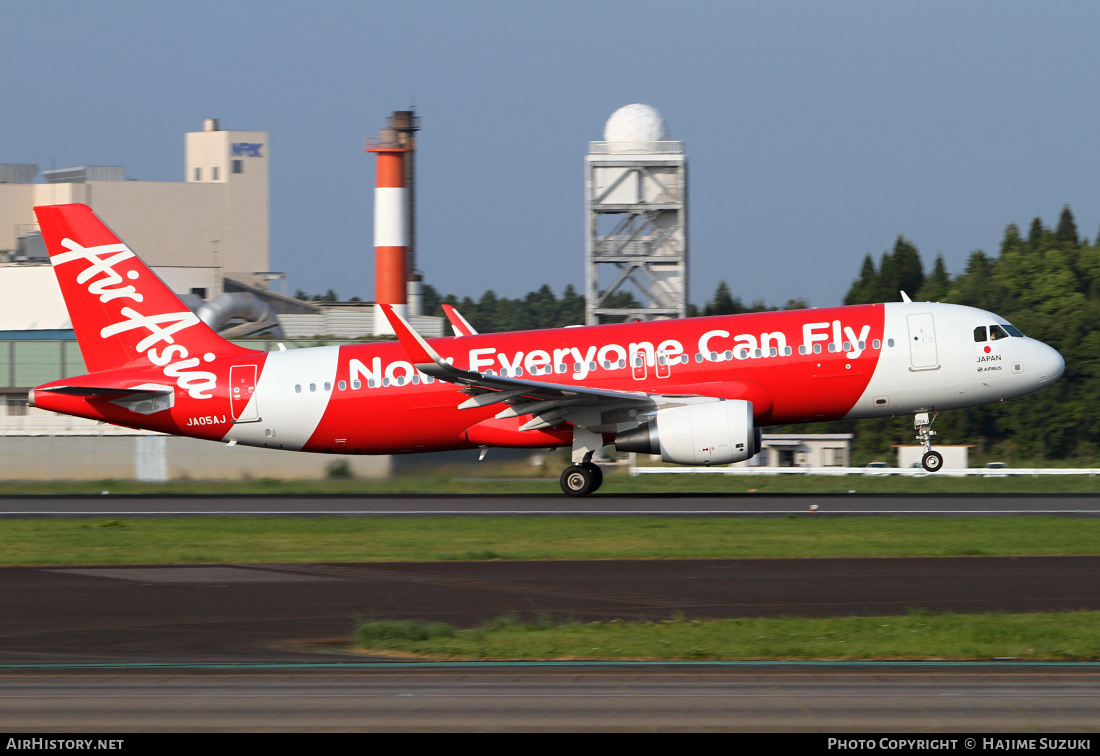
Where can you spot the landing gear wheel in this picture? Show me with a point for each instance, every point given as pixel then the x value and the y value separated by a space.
pixel 932 461
pixel 579 480
pixel 597 475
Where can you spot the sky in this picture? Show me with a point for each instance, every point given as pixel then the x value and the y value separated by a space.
pixel 816 132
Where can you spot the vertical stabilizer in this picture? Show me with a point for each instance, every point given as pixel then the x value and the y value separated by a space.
pixel 121 311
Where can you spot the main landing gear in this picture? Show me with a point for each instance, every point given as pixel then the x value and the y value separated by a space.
pixel 931 461
pixel 583 478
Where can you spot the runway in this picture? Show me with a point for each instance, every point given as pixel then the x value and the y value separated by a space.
pixel 968 701
pixel 261 647
pixel 732 505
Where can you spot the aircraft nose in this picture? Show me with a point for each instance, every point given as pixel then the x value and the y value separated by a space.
pixel 1051 365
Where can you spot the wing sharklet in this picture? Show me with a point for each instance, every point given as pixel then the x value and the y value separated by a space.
pixel 460 325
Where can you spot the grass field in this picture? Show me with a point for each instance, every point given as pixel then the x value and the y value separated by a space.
pixel 336 539
pixel 917 635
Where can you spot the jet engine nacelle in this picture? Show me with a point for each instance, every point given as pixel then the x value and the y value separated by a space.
pixel 714 433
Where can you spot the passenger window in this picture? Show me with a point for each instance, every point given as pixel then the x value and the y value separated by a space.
pixel 996 333
pixel 979 334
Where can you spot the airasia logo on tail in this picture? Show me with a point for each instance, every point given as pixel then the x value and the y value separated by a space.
pixel 104 282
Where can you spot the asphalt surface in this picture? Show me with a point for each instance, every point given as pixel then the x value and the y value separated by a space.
pixel 733 505
pixel 254 613
pixel 918 704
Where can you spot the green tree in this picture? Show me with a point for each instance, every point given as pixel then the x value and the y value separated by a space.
pixel 723 302
pixel 1067 228
pixel 937 284
pixel 865 289
pixel 1035 233
pixel 429 299
pixel 902 271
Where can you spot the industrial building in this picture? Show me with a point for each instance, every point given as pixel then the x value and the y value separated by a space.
pixel 207 237
pixel 195 233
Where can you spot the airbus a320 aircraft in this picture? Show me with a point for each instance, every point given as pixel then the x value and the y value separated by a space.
pixel 695 391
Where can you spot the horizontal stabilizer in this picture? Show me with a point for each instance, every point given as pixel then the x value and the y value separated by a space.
pixel 91 391
pixel 144 399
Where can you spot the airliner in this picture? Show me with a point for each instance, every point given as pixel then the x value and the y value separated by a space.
pixel 696 391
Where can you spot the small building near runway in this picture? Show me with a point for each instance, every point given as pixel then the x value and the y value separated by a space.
pixel 954 457
pixel 802 450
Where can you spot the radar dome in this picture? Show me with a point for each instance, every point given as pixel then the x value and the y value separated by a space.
pixel 635 123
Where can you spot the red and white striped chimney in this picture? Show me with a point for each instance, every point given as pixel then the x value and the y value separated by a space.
pixel 390 233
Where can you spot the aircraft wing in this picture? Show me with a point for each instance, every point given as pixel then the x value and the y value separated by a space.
pixel 549 403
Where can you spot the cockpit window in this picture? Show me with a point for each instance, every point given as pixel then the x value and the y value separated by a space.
pixel 980 334
pixel 997 333
pixel 1013 331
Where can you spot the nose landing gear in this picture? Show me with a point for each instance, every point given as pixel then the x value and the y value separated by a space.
pixel 931 461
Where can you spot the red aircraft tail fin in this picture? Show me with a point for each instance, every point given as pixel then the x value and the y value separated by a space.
pixel 121 311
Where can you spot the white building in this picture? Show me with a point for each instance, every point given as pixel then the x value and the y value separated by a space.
pixel 954 457
pixel 802 450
